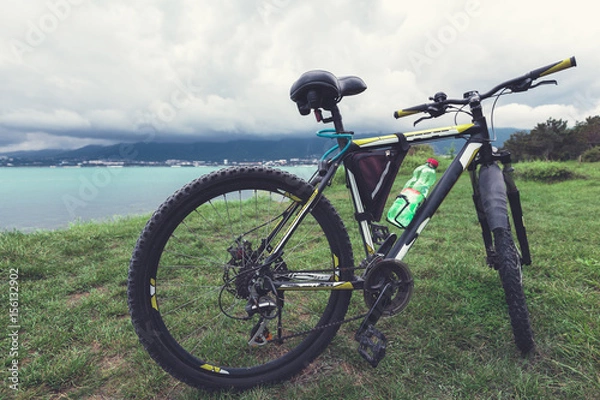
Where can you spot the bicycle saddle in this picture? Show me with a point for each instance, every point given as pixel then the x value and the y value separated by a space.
pixel 321 89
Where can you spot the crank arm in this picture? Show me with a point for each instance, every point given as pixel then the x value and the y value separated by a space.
pixel 372 343
pixel 376 310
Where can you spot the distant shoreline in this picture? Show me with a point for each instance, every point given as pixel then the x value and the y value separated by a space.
pixel 49 198
pixel 182 164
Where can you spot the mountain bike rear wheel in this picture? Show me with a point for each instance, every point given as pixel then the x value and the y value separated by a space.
pixel 201 255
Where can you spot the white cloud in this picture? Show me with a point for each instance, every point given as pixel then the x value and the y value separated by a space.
pixel 526 117
pixel 98 70
pixel 41 141
pixel 56 120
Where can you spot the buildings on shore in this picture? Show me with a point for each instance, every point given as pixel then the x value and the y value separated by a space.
pixel 19 162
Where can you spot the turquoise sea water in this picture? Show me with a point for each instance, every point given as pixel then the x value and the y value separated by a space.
pixel 54 198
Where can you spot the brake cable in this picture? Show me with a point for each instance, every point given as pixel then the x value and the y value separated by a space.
pixel 494 137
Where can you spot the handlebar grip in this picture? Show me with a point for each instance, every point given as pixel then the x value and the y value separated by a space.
pixel 552 68
pixel 410 111
pixel 403 113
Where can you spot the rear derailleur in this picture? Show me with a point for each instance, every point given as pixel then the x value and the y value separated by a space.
pixel 267 302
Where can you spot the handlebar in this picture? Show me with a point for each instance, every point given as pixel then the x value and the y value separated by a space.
pixel 519 84
pixel 552 68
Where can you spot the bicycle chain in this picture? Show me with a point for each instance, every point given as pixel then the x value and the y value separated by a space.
pixel 318 328
pixel 364 264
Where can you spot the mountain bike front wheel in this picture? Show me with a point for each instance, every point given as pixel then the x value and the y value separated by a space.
pixel 505 257
pixel 509 268
pixel 206 251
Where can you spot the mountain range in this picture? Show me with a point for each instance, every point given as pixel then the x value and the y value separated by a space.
pixel 251 149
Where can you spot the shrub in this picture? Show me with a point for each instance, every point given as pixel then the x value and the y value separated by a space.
pixel 545 172
pixel 591 155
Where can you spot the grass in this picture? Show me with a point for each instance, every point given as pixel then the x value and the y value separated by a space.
pixel 452 342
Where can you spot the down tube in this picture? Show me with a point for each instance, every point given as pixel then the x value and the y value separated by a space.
pixel 436 197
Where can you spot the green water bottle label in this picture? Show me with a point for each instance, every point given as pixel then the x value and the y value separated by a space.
pixel 412 195
pixel 404 208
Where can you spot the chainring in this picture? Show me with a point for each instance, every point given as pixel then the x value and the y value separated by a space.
pixel 384 272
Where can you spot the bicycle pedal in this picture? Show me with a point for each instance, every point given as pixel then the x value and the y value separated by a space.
pixel 371 345
pixel 380 234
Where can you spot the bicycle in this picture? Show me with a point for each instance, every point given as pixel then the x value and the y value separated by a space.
pixel 244 276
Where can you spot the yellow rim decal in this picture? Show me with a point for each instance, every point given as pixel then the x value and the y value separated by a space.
pixel 336 264
pixel 153 294
pixel 292 197
pixel 212 368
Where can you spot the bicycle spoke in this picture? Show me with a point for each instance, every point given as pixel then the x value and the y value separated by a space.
pixel 212 294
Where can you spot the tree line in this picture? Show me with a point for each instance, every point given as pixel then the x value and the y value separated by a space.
pixel 554 141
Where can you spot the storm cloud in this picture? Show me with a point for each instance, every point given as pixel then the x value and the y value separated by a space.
pixel 77 72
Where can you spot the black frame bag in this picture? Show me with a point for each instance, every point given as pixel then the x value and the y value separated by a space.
pixel 375 172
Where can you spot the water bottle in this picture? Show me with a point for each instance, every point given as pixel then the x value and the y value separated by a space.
pixel 412 195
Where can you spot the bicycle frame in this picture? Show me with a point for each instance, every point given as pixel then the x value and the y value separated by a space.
pixel 246 268
pixel 477 143
pixel 477 137
pixel 462 161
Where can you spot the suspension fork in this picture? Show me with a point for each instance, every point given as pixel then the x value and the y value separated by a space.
pixel 514 201
pixel 486 233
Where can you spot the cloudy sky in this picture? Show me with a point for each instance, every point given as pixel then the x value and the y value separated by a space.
pixel 78 72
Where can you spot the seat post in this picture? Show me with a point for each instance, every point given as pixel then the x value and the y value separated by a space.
pixel 336 116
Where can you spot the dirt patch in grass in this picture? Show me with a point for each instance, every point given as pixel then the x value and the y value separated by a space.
pixel 76 298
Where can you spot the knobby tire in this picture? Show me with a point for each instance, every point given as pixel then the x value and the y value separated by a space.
pixel 509 268
pixel 505 257
pixel 191 267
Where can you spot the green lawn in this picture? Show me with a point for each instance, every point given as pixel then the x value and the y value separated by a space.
pixel 453 341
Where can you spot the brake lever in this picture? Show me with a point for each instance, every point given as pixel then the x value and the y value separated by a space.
pixel 521 86
pixel 422 119
pixel 546 82
pixel 434 111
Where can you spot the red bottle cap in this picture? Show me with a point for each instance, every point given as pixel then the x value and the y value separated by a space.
pixel 434 163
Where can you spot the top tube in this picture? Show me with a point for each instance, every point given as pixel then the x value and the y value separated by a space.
pixel 426 135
